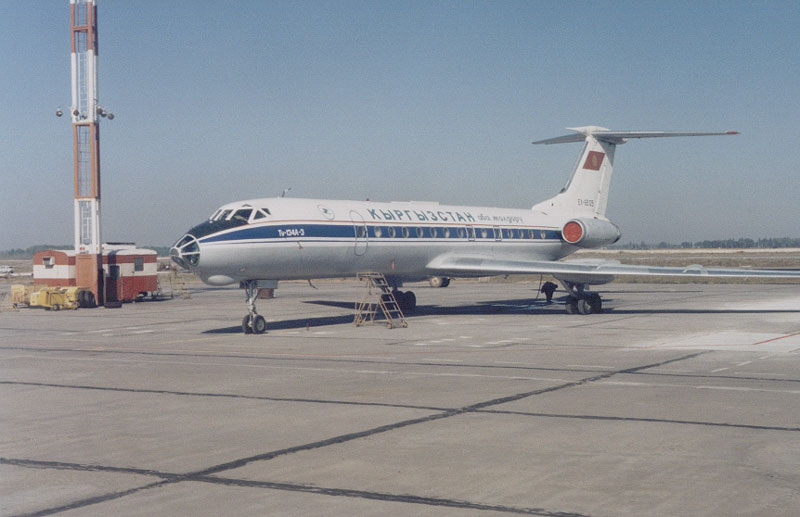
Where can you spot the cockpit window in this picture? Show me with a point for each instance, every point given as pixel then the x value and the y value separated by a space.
pixel 222 215
pixel 223 220
pixel 261 213
pixel 242 216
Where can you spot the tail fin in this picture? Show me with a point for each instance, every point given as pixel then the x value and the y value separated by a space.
pixel 586 192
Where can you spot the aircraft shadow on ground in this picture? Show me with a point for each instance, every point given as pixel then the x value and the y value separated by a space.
pixel 528 306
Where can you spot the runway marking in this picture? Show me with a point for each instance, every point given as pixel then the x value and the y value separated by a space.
pixel 643 419
pixel 777 338
pixel 719 370
pixel 698 387
pixel 744 363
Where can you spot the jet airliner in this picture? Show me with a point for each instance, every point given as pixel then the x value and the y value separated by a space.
pixel 258 242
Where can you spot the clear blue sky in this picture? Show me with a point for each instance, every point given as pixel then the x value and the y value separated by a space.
pixel 218 101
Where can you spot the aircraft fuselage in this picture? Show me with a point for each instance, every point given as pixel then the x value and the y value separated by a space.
pixel 289 238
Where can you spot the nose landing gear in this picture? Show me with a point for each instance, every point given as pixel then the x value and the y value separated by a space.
pixel 253 323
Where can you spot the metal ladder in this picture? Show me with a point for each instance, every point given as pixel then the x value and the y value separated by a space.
pixel 379 296
pixel 177 284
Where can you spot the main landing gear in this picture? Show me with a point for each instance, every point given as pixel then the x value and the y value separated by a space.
pixel 253 323
pixel 581 301
pixel 407 300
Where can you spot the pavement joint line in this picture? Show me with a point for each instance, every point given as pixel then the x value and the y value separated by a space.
pixel 241 462
pixel 641 419
pixel 220 395
pixel 172 478
pixel 446 363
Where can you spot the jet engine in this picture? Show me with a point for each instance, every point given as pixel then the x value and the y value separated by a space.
pixel 590 233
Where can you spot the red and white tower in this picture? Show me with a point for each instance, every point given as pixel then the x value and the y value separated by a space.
pixel 85 112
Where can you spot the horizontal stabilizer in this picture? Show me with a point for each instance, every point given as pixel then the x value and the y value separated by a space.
pixel 619 137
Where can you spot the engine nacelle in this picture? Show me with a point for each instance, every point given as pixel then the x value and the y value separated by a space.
pixel 590 233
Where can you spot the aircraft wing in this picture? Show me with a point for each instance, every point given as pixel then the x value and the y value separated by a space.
pixel 588 269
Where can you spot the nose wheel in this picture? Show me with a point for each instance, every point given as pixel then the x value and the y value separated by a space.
pixel 253 323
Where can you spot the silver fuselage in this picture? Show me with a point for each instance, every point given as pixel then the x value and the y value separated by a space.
pixel 307 238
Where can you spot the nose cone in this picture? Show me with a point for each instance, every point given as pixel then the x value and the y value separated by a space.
pixel 186 252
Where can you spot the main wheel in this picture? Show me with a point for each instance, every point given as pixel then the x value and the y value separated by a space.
pixel 572 306
pixel 247 327
pixel 259 324
pixel 584 307
pixel 596 303
pixel 445 282
pixel 409 302
pixel 436 281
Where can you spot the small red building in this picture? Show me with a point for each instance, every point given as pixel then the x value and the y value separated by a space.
pixel 128 271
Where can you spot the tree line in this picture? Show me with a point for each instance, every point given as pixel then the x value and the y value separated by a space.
pixel 742 242
pixel 27 253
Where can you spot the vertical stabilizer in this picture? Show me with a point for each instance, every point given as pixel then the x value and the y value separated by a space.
pixel 586 192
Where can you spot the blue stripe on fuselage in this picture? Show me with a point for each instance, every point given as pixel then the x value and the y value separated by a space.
pixel 302 231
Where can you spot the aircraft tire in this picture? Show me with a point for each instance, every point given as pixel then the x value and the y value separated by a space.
pixel 596 303
pixel 409 301
pixel 436 281
pixel 445 282
pixel 584 307
pixel 572 306
pixel 259 324
pixel 246 327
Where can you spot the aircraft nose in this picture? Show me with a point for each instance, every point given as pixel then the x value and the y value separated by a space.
pixel 186 252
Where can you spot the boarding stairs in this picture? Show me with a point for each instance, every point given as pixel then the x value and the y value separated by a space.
pixel 379 298
pixel 177 285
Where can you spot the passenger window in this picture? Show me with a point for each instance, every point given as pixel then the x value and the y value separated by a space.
pixel 392 232
pixel 434 233
pixel 420 232
pixel 447 233
pixel 461 233
pixel 484 233
pixel 377 231
pixel 405 232
pixel 508 233
pixel 362 232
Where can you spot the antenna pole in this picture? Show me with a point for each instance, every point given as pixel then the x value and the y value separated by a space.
pixel 86 144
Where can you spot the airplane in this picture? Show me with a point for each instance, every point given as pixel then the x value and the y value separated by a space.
pixel 258 242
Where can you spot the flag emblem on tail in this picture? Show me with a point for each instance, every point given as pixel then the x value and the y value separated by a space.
pixel 594 160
